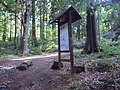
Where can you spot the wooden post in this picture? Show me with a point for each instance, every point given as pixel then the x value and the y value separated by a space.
pixel 70 43
pixel 59 53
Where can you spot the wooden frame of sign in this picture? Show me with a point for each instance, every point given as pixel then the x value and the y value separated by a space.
pixel 65 43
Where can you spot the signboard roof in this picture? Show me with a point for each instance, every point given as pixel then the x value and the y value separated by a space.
pixel 64 16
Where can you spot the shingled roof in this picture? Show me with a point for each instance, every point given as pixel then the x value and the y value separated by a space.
pixel 63 17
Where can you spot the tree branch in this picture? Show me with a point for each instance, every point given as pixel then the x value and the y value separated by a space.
pixel 7 7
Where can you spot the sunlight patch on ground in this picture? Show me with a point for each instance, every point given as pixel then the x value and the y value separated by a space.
pixel 6 67
pixel 36 57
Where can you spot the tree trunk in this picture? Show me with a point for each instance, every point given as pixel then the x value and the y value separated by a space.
pixel 21 33
pixel 99 33
pixel 46 17
pixel 4 32
pixel 53 17
pixel 34 40
pixel 40 20
pixel 78 32
pixel 10 28
pixel 22 24
pixel 43 25
pixel 16 27
pixel 15 34
pixel 26 28
pixel 91 43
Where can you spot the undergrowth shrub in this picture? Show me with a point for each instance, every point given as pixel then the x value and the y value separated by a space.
pixel 50 47
pixel 7 50
pixel 6 44
pixel 109 48
pixel 35 51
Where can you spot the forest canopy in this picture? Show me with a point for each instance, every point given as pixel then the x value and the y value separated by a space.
pixel 25 24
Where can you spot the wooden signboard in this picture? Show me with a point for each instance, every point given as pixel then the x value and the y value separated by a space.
pixel 65 43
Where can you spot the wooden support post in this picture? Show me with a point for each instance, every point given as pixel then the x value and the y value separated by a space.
pixel 70 43
pixel 59 53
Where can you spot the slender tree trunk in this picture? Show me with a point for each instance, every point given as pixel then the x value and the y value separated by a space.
pixel 26 28
pixel 10 28
pixel 22 24
pixel 34 40
pixel 53 17
pixel 78 32
pixel 43 15
pixel 46 18
pixel 16 28
pixel 99 33
pixel 15 34
pixel 4 32
pixel 40 17
pixel 18 31
pixel 10 35
pixel 21 33
pixel 43 25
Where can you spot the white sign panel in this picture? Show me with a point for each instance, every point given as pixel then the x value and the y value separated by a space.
pixel 64 37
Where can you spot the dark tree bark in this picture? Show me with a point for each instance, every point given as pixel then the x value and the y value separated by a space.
pixel 16 27
pixel 4 32
pixel 53 17
pixel 43 16
pixel 78 32
pixel 34 40
pixel 15 34
pixel 91 43
pixel 10 28
pixel 40 19
pixel 26 28
pixel 46 12
pixel 21 33
pixel 98 23
pixel 22 24
pixel 43 25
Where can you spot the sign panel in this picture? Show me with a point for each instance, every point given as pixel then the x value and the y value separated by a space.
pixel 64 37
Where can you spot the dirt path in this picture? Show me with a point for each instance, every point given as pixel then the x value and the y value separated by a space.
pixel 37 77
pixel 41 77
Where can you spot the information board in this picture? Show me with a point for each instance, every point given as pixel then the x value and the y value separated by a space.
pixel 64 37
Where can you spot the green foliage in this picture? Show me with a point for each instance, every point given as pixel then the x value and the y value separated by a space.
pixel 107 61
pixel 8 8
pixel 36 51
pixel 50 47
pixel 7 50
pixel 10 5
pixel 109 49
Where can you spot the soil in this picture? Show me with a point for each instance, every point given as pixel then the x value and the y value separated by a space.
pixel 39 76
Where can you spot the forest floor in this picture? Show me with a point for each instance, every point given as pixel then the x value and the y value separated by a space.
pixel 40 77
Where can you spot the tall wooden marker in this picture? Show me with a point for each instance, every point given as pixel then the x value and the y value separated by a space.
pixel 65 43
